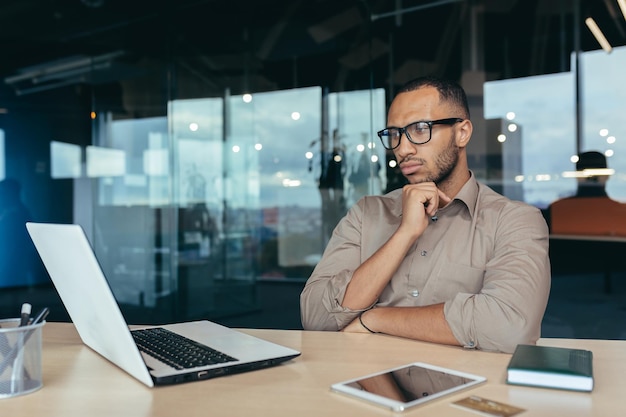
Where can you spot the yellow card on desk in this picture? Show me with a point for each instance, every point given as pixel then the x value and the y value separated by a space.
pixel 487 407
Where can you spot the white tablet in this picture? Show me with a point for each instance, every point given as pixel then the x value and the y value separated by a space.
pixel 407 385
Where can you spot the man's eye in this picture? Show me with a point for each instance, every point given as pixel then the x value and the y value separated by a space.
pixel 419 127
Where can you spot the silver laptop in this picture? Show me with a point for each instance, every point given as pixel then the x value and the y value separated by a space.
pixel 85 292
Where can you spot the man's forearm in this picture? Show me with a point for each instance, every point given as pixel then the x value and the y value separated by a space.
pixel 426 323
pixel 369 279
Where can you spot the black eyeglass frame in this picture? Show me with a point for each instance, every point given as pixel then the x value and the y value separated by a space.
pixel 403 130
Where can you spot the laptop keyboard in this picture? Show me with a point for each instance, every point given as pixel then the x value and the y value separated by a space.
pixel 175 350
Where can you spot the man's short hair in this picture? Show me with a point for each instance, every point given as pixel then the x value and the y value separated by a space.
pixel 449 91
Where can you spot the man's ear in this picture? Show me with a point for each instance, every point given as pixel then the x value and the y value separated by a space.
pixel 464 133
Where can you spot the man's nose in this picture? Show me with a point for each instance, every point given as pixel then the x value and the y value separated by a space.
pixel 405 147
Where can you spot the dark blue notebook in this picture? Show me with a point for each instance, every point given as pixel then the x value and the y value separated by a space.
pixel 551 367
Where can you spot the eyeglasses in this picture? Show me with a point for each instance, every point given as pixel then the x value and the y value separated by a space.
pixel 416 132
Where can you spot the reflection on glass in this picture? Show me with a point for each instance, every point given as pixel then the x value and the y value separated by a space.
pixel 132 212
pixel 222 193
pixel 550 120
pixel 104 162
pixel 601 78
pixel 156 162
pixel 198 132
pixel 411 383
pixel 536 127
pixel 65 160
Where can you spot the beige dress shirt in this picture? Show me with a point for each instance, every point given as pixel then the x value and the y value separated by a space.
pixel 485 257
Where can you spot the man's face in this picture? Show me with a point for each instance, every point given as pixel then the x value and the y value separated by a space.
pixel 436 159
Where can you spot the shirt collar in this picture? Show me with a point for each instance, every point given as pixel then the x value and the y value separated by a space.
pixel 469 194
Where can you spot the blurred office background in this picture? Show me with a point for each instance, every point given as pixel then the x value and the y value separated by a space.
pixel 209 147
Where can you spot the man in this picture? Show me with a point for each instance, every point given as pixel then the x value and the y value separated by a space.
pixel 594 173
pixel 444 259
pixel 564 215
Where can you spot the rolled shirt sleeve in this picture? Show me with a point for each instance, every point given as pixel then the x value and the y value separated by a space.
pixel 320 301
pixel 509 308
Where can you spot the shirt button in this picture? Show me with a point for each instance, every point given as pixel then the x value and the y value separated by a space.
pixel 424 253
pixel 414 293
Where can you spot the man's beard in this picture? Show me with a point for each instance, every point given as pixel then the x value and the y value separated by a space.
pixel 445 163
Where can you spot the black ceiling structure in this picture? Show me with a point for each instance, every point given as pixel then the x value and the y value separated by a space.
pixel 264 45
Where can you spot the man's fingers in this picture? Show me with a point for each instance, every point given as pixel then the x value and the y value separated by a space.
pixel 443 197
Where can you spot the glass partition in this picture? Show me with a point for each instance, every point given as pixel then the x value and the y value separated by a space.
pixel 603 94
pixel 191 209
pixel 536 121
pixel 202 170
pixel 541 113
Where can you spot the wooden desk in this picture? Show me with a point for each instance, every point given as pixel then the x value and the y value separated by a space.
pixel 78 382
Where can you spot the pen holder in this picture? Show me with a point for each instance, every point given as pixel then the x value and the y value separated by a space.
pixel 20 358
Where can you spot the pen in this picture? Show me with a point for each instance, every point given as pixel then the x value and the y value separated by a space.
pixel 25 314
pixel 41 316
pixel 8 359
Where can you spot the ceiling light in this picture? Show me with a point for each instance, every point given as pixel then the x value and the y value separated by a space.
pixel 597 33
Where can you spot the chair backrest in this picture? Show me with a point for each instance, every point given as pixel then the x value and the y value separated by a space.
pixel 595 216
